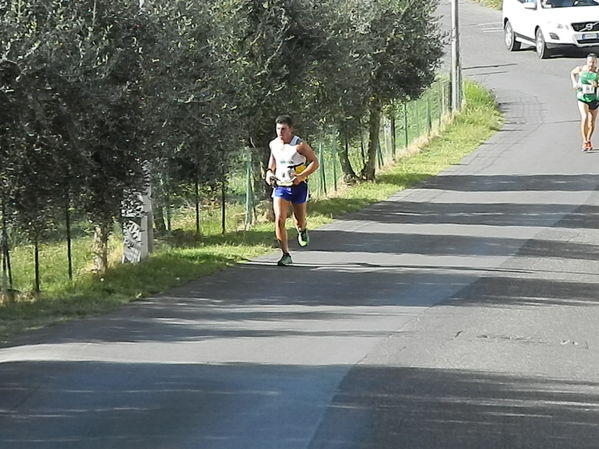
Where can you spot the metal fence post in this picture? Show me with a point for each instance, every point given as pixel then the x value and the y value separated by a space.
pixel 429 120
pixel 335 165
pixel 249 194
pixel 405 125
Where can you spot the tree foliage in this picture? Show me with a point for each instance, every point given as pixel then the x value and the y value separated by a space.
pixel 89 90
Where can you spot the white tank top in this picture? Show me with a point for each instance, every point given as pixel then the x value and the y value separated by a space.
pixel 288 161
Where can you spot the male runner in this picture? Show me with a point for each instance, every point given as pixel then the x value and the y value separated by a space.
pixel 291 162
pixel 584 80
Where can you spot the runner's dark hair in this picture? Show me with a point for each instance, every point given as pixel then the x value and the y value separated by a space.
pixel 284 119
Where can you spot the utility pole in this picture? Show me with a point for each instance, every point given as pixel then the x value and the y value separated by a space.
pixel 456 72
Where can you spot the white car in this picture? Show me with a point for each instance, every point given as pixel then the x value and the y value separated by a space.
pixel 549 24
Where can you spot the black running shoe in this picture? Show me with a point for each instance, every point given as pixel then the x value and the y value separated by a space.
pixel 285 260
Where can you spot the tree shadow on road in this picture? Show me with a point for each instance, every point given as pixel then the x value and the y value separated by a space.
pixel 92 405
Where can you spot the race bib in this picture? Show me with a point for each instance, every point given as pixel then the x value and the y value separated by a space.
pixel 587 89
pixel 285 177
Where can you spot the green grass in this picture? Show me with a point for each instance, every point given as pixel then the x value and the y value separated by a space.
pixel 184 256
pixel 495 4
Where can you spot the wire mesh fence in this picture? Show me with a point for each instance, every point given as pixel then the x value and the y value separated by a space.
pixel 235 205
pixel 401 128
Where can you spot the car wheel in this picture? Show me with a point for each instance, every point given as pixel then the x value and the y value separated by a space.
pixel 510 38
pixel 542 51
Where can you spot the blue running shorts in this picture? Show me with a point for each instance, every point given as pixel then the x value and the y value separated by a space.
pixel 295 194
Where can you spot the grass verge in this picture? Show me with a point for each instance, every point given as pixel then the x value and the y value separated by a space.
pixel 495 4
pixel 178 261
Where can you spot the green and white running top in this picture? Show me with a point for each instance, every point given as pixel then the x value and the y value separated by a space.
pixel 587 92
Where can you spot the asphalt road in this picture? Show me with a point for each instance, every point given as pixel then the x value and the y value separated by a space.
pixel 459 314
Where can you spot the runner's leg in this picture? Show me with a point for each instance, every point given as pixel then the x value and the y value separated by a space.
pixel 299 216
pixel 584 112
pixel 281 208
pixel 593 121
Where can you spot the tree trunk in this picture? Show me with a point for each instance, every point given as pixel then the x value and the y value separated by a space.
pixel 349 175
pixel 362 152
pixel 4 256
pixel 168 211
pixel 197 202
pixel 374 126
pixel 224 202
pixel 158 200
pixel 7 288
pixel 100 248
pixel 36 265
pixel 67 216
pixel 393 134
pixel 260 154
pixel 159 222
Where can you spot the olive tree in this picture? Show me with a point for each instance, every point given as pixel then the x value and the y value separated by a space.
pixel 268 51
pixel 405 48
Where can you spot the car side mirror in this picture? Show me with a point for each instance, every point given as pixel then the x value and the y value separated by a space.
pixel 530 5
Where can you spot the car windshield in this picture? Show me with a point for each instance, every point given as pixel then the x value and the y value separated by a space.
pixel 568 3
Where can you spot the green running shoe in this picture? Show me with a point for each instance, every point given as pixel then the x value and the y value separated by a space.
pixel 285 260
pixel 303 238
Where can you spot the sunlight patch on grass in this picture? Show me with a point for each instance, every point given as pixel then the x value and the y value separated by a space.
pixel 494 4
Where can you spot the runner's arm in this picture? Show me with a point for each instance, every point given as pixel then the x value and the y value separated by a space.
pixel 574 76
pixel 270 171
pixel 313 164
